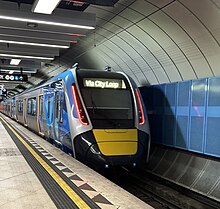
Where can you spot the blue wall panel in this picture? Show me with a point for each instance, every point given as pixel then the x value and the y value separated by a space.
pixel 212 143
pixel 182 114
pixel 196 134
pixel 184 93
pixel 212 146
pixel 197 115
pixel 158 102
pixel 169 122
pixel 186 114
pixel 181 132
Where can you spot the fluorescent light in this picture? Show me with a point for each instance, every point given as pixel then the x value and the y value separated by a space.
pixel 45 6
pixel 11 71
pixel 46 22
pixel 15 61
pixel 18 71
pixel 24 56
pixel 34 44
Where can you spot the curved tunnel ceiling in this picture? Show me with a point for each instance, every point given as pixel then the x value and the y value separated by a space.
pixel 153 41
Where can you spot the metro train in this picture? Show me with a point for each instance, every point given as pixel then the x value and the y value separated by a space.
pixel 98 116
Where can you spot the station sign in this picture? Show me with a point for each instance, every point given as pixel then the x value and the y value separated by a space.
pixel 13 77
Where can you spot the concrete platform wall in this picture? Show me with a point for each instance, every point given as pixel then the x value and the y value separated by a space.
pixel 190 170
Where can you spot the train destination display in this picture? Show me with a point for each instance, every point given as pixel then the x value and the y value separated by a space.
pixel 104 83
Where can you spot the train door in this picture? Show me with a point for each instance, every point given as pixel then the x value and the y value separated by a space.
pixel 25 112
pixel 47 112
pixel 58 110
pixel 13 108
pixel 10 109
pixel 40 114
pixel 16 109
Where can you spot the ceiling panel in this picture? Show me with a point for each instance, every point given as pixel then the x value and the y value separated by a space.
pixel 160 3
pixel 174 40
pixel 131 15
pixel 37 39
pixel 143 7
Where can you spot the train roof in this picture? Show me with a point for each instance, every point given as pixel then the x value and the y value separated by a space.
pixel 54 78
pixel 81 72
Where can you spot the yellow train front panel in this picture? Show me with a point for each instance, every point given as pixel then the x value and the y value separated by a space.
pixel 112 142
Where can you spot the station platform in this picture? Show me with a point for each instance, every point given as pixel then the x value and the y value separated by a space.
pixel 36 174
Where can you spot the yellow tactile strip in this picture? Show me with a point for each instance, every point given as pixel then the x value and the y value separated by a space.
pixel 77 200
pixel 98 198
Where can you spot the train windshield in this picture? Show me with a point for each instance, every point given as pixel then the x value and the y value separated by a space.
pixel 108 101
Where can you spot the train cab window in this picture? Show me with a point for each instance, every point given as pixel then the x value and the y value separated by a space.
pixel 108 100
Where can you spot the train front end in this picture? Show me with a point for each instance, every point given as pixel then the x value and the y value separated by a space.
pixel 112 106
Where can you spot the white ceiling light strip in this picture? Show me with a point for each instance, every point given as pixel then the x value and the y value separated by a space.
pixel 34 44
pixel 45 6
pixel 24 56
pixel 11 72
pixel 18 71
pixel 15 61
pixel 46 22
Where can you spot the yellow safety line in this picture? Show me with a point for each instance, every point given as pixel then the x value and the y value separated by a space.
pixel 66 188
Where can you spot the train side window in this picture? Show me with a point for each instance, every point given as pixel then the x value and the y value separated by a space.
pixel 29 107
pixel 58 89
pixel 61 109
pixel 57 105
pixel 20 106
pixel 16 104
pixel 32 106
pixel 48 104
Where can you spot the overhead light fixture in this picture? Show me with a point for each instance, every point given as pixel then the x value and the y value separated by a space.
pixel 17 71
pixel 45 6
pixel 46 22
pixel 79 3
pixel 34 44
pixel 24 56
pixel 15 61
pixel 77 34
pixel 32 25
pixel 11 72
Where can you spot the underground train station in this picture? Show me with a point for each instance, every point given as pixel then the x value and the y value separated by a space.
pixel 109 104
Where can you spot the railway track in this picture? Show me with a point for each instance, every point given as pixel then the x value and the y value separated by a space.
pixel 158 193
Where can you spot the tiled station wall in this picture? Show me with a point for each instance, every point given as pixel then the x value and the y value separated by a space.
pixel 185 114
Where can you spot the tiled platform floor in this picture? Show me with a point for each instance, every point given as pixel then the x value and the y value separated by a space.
pixel 20 188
